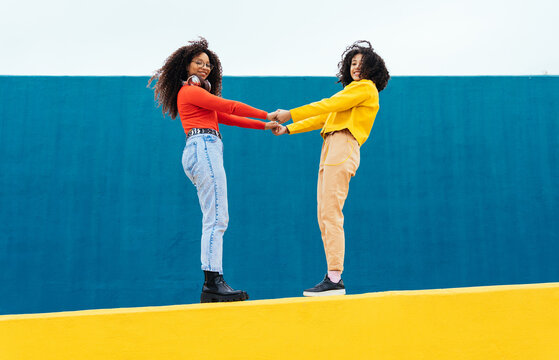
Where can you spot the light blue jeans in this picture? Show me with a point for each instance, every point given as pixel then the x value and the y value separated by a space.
pixel 202 160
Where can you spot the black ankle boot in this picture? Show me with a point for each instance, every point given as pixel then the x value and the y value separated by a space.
pixel 215 289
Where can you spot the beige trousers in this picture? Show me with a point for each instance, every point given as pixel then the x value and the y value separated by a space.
pixel 339 161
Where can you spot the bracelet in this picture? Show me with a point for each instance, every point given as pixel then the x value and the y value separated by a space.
pixel 287 130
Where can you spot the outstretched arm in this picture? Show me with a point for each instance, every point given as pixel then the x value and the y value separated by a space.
pixel 234 120
pixel 200 97
pixel 314 123
pixel 351 96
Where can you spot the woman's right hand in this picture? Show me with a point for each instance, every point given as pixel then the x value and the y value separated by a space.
pixel 272 125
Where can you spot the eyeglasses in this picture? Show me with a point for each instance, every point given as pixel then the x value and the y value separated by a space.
pixel 201 64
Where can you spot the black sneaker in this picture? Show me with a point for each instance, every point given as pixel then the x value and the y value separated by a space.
pixel 326 288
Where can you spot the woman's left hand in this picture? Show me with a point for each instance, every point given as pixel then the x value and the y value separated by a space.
pixel 273 116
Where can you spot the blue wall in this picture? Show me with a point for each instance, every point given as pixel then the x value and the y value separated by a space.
pixel 458 186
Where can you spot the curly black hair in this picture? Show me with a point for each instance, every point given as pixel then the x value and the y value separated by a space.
pixel 372 67
pixel 174 71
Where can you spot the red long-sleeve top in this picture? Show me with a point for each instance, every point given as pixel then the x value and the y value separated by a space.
pixel 200 109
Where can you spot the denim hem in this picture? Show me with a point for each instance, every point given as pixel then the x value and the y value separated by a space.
pixel 208 268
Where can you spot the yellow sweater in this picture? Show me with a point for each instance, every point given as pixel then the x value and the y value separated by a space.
pixel 354 108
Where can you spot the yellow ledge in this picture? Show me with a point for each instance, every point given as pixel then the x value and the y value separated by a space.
pixel 495 322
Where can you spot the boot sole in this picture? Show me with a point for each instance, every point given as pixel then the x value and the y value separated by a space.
pixel 209 298
pixel 324 293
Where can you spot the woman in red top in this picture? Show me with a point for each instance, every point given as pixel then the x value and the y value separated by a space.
pixel 189 84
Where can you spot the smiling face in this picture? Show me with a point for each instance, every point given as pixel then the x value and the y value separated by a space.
pixel 355 69
pixel 200 66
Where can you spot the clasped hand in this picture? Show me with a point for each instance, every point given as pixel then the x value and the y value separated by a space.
pixel 277 118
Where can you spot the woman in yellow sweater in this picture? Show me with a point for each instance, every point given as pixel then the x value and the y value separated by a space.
pixel 346 120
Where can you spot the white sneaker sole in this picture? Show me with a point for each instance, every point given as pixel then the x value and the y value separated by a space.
pixel 325 293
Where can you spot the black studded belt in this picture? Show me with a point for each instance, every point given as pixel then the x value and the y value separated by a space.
pixel 198 131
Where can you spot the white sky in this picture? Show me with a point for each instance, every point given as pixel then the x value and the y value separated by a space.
pixel 302 38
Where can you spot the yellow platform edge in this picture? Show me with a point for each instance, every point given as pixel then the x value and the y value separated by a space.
pixel 492 322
